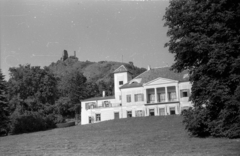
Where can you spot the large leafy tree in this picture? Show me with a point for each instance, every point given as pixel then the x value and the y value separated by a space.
pixel 31 89
pixel 4 109
pixel 205 39
pixel 32 95
pixel 73 87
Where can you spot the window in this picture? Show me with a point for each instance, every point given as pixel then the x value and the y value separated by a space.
pixel 139 97
pixel 98 117
pixel 151 112
pixel 116 115
pixel 128 98
pixel 172 111
pixel 120 82
pixel 139 113
pixel 161 111
pixel 129 114
pixel 106 104
pixel 90 105
pixel 184 93
pixel 172 96
pixel 162 97
pixel 151 98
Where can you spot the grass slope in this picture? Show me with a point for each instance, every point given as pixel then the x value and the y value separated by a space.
pixel 135 136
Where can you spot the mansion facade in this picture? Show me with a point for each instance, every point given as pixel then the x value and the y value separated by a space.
pixel 155 92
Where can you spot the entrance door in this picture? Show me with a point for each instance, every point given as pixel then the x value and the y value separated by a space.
pixel 151 112
pixel 90 119
pixel 172 110
pixel 116 115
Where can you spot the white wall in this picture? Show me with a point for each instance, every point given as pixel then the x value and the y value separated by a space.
pixel 132 92
pixel 125 77
pixel 184 101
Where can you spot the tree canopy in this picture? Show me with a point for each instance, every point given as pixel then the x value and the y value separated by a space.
pixel 31 88
pixel 4 108
pixel 73 87
pixel 205 39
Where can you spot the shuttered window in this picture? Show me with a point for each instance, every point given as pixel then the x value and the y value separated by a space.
pixel 98 117
pixel 128 98
pixel 161 111
pixel 139 113
pixel 139 97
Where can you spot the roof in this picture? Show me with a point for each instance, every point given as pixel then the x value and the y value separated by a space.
pixel 99 98
pixel 155 73
pixel 121 69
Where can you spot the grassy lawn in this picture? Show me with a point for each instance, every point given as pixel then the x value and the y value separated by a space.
pixel 135 136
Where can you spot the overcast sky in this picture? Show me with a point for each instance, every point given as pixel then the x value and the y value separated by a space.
pixel 37 31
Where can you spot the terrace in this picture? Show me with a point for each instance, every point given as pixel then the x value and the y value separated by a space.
pixel 104 104
pixel 162 94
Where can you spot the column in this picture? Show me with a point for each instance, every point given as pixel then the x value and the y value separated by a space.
pixel 145 96
pixel 166 111
pixel 166 95
pixel 155 90
pixel 177 93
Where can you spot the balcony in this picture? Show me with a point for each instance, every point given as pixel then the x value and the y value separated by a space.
pixel 161 95
pixel 103 105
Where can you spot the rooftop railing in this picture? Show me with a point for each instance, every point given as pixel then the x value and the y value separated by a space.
pixel 109 105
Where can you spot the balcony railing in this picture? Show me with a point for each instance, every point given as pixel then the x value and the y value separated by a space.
pixel 105 106
pixel 162 101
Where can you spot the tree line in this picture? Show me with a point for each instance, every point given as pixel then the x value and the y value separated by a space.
pixel 35 99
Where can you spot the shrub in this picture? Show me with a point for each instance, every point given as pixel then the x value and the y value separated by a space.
pixel 199 121
pixel 59 119
pixel 195 121
pixel 32 122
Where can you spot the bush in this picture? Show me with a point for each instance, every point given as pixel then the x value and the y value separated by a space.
pixel 59 119
pixel 195 121
pixel 199 121
pixel 32 122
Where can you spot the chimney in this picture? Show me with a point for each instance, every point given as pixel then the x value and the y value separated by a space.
pixel 103 93
pixel 74 53
pixel 149 67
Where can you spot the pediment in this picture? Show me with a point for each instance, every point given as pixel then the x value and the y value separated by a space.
pixel 122 68
pixel 160 81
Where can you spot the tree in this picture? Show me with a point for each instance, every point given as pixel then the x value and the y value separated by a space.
pixel 73 88
pixel 32 94
pixel 32 88
pixel 4 109
pixel 204 37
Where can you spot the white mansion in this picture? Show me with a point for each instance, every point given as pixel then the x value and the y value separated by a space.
pixel 157 91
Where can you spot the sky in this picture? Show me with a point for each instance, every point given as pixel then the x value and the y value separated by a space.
pixel 36 32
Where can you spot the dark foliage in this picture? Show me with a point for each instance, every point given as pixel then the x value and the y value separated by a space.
pixel 204 36
pixel 108 87
pixel 196 122
pixel 32 122
pixel 32 93
pixel 73 87
pixel 4 108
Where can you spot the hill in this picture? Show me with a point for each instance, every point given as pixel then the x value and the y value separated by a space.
pixel 93 71
pixel 159 135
